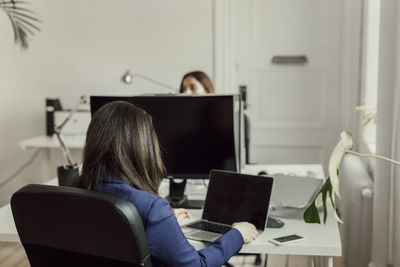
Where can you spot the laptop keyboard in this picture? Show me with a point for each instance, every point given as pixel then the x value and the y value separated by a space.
pixel 211 227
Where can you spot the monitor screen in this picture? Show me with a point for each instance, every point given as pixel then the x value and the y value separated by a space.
pixel 196 133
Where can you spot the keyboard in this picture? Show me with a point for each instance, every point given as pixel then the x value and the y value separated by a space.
pixel 211 227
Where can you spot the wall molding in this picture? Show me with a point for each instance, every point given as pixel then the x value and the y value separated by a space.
pixel 351 65
pixel 316 123
pixel 223 46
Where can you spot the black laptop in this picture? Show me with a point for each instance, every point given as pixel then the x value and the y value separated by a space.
pixel 231 197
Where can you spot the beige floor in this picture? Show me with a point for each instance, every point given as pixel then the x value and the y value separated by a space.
pixel 13 255
pixel 280 261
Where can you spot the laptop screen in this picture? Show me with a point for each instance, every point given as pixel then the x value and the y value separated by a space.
pixel 233 197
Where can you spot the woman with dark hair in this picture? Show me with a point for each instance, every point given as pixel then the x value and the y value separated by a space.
pixel 196 82
pixel 122 157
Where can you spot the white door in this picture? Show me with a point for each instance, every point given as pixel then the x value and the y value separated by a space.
pixel 287 53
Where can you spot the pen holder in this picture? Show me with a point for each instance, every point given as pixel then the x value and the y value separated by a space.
pixel 66 174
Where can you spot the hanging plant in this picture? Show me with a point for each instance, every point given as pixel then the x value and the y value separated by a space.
pixel 331 186
pixel 22 20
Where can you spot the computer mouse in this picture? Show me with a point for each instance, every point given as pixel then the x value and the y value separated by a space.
pixel 274 223
pixel 263 173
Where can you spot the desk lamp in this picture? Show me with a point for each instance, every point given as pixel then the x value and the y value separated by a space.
pixel 66 173
pixel 128 78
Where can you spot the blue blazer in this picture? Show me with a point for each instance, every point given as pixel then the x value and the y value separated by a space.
pixel 167 244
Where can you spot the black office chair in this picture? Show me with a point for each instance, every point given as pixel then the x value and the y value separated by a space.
pixel 65 226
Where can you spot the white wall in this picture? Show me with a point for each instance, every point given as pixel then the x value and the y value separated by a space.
pixel 83 48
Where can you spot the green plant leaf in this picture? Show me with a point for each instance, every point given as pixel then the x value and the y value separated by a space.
pixel 13 2
pixel 345 143
pixel 19 14
pixel 15 29
pixel 332 197
pixel 22 21
pixel 25 28
pixel 27 23
pixel 22 34
pixel 311 215
pixel 318 201
pixel 17 8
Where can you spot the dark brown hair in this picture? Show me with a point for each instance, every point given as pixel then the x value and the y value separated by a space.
pixel 121 140
pixel 202 78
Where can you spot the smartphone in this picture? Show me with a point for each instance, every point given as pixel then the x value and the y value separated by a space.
pixel 286 239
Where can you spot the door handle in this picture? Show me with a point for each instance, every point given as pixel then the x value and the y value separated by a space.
pixel 300 59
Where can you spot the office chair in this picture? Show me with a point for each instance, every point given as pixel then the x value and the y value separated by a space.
pixel 65 226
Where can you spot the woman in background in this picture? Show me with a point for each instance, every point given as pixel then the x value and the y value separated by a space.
pixel 196 82
pixel 122 157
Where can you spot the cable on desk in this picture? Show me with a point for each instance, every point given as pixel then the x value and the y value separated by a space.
pixel 204 183
pixel 20 169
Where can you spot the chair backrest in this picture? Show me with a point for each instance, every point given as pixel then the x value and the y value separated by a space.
pixel 65 226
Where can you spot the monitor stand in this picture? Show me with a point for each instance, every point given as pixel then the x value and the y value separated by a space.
pixel 177 198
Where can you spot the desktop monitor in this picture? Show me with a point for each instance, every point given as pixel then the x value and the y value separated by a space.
pixel 197 133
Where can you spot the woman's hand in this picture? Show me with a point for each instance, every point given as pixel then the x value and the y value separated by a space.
pixel 248 231
pixel 181 214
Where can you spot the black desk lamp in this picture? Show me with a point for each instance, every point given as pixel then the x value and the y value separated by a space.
pixel 66 173
pixel 128 78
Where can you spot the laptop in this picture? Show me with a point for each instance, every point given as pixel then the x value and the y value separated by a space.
pixel 231 197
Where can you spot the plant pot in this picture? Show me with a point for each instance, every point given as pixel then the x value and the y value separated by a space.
pixel 67 174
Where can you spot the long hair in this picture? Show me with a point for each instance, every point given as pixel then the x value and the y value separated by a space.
pixel 121 140
pixel 202 78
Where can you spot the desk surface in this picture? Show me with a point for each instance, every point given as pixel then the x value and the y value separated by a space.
pixel 44 141
pixel 320 240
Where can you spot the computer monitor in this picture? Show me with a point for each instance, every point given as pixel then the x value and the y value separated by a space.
pixel 197 133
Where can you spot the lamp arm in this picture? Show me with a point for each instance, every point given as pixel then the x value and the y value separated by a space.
pixel 57 130
pixel 82 100
pixel 155 81
pixel 64 148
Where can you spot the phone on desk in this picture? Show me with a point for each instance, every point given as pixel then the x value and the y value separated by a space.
pixel 286 239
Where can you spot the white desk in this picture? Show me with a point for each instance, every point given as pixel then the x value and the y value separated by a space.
pixel 44 141
pixel 7 226
pixel 321 240
pixel 313 170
